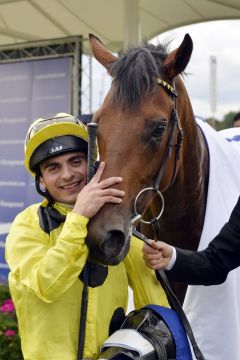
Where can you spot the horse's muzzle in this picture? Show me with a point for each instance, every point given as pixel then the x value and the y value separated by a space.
pixel 111 250
pixel 107 238
pixel 113 244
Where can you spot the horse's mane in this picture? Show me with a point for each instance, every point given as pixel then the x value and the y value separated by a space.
pixel 135 73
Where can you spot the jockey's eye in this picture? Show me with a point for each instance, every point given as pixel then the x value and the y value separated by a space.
pixel 159 129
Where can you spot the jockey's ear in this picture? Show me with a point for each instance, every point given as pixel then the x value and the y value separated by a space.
pixel 100 52
pixel 177 60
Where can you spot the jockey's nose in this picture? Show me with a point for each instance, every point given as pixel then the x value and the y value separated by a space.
pixel 66 172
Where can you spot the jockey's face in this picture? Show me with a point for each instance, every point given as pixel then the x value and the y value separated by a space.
pixel 64 176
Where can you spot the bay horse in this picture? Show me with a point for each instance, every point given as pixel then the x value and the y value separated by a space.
pixel 147 134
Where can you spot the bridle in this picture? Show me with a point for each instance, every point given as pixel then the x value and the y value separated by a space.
pixel 174 125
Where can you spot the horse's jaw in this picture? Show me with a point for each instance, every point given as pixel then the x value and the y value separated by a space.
pixel 107 238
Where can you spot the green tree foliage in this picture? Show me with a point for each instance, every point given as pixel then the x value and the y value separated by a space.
pixel 225 124
pixel 227 121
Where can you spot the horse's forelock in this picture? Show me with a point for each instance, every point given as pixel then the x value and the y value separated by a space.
pixel 135 74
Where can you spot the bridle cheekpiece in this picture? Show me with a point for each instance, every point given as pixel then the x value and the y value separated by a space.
pixel 174 124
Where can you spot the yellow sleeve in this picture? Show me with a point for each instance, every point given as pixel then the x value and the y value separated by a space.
pixel 47 270
pixel 143 281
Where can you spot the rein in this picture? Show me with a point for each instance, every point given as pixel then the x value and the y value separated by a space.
pixel 175 304
pixel 174 125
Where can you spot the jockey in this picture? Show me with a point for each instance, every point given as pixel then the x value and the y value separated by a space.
pixel 46 250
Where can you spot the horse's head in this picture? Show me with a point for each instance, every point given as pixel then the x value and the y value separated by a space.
pixel 138 136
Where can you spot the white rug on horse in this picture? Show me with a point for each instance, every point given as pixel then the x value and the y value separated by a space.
pixel 214 311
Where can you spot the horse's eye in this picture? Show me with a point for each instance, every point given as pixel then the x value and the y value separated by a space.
pixel 159 130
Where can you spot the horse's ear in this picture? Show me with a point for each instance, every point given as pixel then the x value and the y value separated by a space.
pixel 100 52
pixel 177 60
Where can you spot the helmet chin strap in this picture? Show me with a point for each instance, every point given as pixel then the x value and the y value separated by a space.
pixel 45 193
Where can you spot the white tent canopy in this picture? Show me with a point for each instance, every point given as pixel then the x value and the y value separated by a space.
pixel 116 22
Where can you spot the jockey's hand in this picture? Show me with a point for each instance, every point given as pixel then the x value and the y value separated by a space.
pixel 158 255
pixel 97 193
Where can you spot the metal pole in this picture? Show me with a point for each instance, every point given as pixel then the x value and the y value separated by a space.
pixel 213 88
pixel 131 23
pixel 75 81
pixel 90 85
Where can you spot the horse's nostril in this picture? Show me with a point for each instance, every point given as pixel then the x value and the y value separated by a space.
pixel 114 242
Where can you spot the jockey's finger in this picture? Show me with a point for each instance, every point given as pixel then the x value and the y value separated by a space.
pixel 112 191
pixel 110 181
pixel 96 178
pixel 111 199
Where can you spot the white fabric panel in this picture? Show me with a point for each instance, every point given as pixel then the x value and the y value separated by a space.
pixel 213 311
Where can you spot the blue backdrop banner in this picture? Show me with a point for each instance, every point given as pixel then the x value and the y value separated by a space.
pixel 28 90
